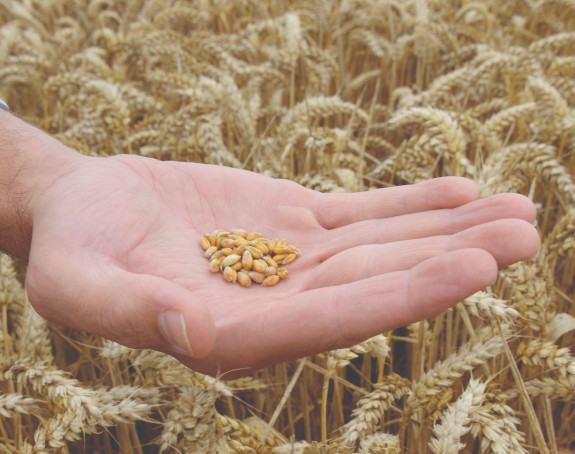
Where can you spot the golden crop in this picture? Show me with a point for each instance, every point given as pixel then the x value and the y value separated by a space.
pixel 339 96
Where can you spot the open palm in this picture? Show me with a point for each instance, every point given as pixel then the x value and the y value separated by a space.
pixel 116 243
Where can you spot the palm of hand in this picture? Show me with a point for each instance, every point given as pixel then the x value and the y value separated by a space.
pixel 117 242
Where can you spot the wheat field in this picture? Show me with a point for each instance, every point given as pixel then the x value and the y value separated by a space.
pixel 343 95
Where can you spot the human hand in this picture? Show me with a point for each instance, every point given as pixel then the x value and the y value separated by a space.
pixel 115 244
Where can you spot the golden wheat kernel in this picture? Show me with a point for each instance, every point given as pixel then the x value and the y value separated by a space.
pixel 218 241
pixel 289 258
pixel 270 270
pixel 222 253
pixel 294 249
pixel 210 251
pixel 270 261
pixel 237 266
pixel 215 265
pixel 228 243
pixel 270 280
pixel 241 242
pixel 231 260
pixel 272 244
pixel 211 238
pixel 256 253
pixel 282 250
pixel 247 260
pixel 239 250
pixel 261 246
pixel 218 254
pixel 279 258
pixel 230 274
pixel 260 239
pixel 282 272
pixel 256 277
pixel 259 265
pixel 244 278
pixel 205 243
pixel 239 232
pixel 253 236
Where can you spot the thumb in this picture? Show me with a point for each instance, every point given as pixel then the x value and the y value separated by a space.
pixel 136 310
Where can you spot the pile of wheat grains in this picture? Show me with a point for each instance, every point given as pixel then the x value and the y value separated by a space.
pixel 338 96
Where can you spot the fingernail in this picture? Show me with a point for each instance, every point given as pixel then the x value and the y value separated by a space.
pixel 173 327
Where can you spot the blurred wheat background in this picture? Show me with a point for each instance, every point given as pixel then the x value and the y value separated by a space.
pixel 339 96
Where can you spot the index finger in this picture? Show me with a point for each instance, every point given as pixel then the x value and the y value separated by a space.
pixel 335 210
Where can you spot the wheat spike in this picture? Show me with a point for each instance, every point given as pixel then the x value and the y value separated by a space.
pixel 443 374
pixel 455 421
pixel 371 408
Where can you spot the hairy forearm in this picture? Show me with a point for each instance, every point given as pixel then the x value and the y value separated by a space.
pixel 30 162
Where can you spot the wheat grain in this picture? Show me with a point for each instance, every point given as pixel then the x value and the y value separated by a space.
pixel 376 346
pixel 530 296
pixel 12 404
pixel 482 304
pixel 496 424
pixel 455 420
pixel 253 259
pixel 371 407
pixel 380 443
pixel 539 351
pixel 444 373
pixel 561 388
pixel 552 105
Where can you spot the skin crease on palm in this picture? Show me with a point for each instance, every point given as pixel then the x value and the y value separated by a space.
pixel 116 242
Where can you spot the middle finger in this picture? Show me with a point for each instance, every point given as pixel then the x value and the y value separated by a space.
pixel 427 223
pixel 507 240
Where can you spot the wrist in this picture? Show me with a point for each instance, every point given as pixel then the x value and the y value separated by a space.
pixel 32 161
